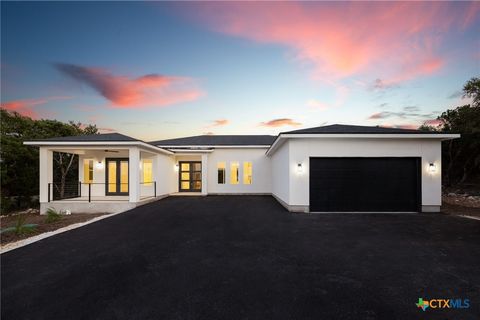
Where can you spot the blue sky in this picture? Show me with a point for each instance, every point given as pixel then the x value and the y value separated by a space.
pixel 161 70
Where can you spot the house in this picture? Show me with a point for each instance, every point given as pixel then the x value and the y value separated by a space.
pixel 335 168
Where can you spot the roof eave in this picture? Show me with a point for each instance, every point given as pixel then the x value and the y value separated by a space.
pixel 49 143
pixel 283 136
pixel 215 146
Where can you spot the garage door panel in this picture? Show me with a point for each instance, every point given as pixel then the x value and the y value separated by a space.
pixel 364 184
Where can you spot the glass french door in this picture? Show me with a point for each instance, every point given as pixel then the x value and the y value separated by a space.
pixel 116 176
pixel 190 176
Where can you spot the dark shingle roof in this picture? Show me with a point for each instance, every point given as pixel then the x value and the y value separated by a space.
pixel 92 137
pixel 350 129
pixel 214 140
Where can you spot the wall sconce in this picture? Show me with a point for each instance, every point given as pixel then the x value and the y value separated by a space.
pixel 299 168
pixel 99 165
pixel 176 167
pixel 432 167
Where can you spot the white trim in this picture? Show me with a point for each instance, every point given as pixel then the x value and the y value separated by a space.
pixel 190 151
pixel 375 135
pixel 282 137
pixel 215 146
pixel 96 143
pixel 467 217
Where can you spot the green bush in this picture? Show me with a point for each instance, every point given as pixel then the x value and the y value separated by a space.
pixel 52 215
pixel 20 226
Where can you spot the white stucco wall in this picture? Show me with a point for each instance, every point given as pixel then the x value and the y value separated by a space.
pixel 166 176
pixel 261 171
pixel 300 150
pixel 280 173
pixel 46 173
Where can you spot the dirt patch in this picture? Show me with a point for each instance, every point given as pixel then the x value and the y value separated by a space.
pixel 42 225
pixel 461 204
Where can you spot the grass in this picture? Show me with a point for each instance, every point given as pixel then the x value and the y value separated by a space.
pixel 52 215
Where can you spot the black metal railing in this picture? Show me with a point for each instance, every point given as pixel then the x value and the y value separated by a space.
pixel 59 191
pixel 149 189
pixel 97 191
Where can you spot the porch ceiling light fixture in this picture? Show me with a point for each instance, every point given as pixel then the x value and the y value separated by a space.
pixel 432 167
pixel 99 165
pixel 299 167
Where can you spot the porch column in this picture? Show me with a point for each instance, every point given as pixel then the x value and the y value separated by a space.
pixel 204 174
pixel 46 173
pixel 156 173
pixel 134 174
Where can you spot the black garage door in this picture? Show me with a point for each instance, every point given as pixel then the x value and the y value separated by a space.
pixel 364 184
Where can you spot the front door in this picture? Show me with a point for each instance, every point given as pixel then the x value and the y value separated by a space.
pixel 116 176
pixel 190 176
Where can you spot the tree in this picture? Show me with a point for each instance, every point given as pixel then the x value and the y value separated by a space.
pixel 19 163
pixel 472 90
pixel 461 157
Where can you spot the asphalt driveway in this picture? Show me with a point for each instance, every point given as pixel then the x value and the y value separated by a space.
pixel 245 257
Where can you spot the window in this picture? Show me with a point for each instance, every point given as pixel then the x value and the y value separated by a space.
pixel 87 170
pixel 147 172
pixel 221 172
pixel 247 173
pixel 234 172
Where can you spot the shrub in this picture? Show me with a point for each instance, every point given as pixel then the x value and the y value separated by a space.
pixel 52 215
pixel 20 226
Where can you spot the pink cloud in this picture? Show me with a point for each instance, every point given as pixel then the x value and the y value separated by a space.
pixel 219 123
pixel 280 122
pixel 436 123
pixel 27 107
pixel 397 41
pixel 401 126
pixel 106 130
pixel 124 92
pixel 377 115
pixel 312 103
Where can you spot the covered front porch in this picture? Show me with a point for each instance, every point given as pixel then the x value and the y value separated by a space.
pixel 112 177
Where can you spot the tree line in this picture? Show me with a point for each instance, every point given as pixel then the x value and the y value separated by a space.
pixel 19 164
pixel 461 157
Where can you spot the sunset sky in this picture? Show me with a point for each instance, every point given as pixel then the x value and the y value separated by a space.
pixel 156 70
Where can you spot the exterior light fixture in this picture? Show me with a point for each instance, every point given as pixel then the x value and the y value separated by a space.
pixel 176 167
pixel 99 165
pixel 432 168
pixel 299 168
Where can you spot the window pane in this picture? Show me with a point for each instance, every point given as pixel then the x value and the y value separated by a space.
pixel 247 173
pixel 147 172
pixel 197 167
pixel 197 185
pixel 197 176
pixel 185 175
pixel 221 172
pixel 234 172
pixel 185 185
pixel 185 167
pixel 123 176
pixel 87 171
pixel 112 176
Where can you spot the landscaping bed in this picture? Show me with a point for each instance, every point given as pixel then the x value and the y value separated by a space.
pixel 461 204
pixel 40 222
